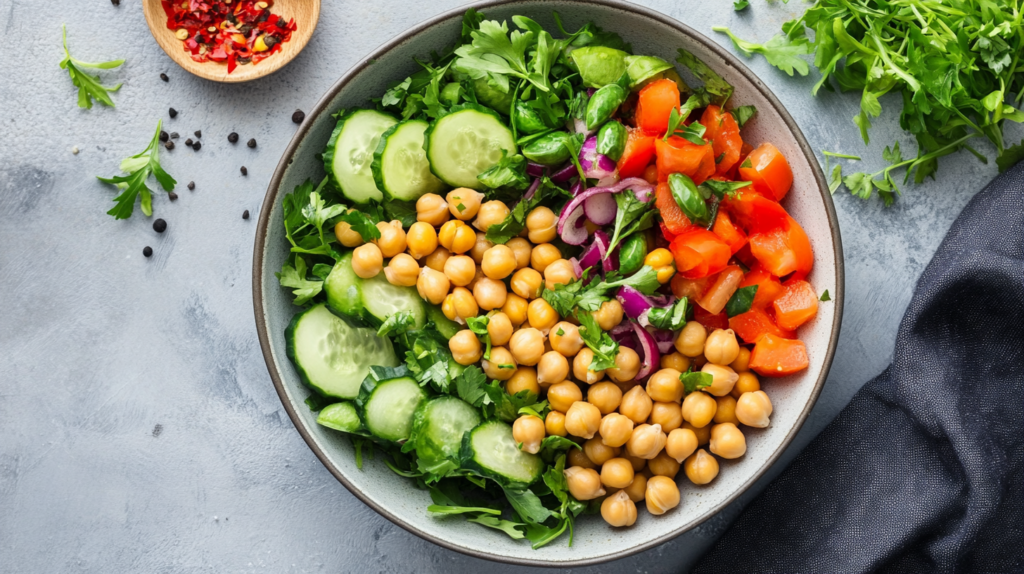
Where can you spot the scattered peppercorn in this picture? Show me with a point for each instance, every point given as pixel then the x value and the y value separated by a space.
pixel 199 133
pixel 172 196
pixel 189 142
pixel 115 2
pixel 174 135
pixel 159 225
pixel 163 136
pixel 191 185
pixel 298 116
pixel 251 143
pixel 197 146
pixel 147 250
pixel 245 214
pixel 169 145
pixel 164 77
pixel 244 171
pixel 172 112
pixel 233 137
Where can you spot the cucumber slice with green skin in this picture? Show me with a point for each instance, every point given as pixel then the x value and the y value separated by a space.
pixel 445 326
pixel 349 153
pixel 341 416
pixel 490 450
pixel 331 356
pixel 388 409
pixel 345 291
pixel 381 299
pixel 400 167
pixel 438 427
pixel 465 143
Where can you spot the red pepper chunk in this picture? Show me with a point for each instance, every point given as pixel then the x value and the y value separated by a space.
pixel 638 153
pixel 724 134
pixel 732 236
pixel 768 287
pixel 677 155
pixel 777 357
pixel 711 321
pixel 755 324
pixel 699 253
pixel 655 105
pixel 796 305
pixel 783 250
pixel 768 170
pixel 672 217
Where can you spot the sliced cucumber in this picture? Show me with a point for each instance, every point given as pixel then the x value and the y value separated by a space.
pixel 389 407
pixel 349 153
pixel 400 167
pixel 491 450
pixel 340 416
pixel 445 326
pixel 345 290
pixel 465 143
pixel 438 426
pixel 331 356
pixel 382 299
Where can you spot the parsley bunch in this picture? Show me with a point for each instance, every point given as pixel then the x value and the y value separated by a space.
pixel 89 86
pixel 956 65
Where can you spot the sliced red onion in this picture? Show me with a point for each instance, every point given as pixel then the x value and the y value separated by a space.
pixel 571 224
pixel 623 335
pixel 576 188
pixel 591 256
pixel 640 187
pixel 611 262
pixel 565 174
pixel 665 339
pixel 535 169
pixel 623 327
pixel 650 357
pixel 577 267
pixel 601 208
pixel 595 165
pixel 531 190
pixel 609 180
pixel 634 303
pixel 580 127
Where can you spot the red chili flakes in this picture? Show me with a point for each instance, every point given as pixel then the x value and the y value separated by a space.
pixel 236 32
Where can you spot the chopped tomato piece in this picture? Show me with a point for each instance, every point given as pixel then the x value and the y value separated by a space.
pixel 678 155
pixel 689 288
pixel 724 134
pixel 653 108
pixel 776 357
pixel 797 305
pixel 768 170
pixel 784 250
pixel 711 321
pixel 732 236
pixel 754 324
pixel 718 294
pixel 745 257
pixel 672 217
pixel 638 153
pixel 768 287
pixel 699 253
pixel 755 213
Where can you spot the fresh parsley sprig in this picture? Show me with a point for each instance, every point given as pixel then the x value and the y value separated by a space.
pixel 89 86
pixel 139 167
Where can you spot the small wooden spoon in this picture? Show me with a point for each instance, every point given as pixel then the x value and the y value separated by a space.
pixel 305 12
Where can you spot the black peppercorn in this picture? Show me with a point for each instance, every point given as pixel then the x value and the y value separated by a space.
pixel 164 77
pixel 233 137
pixel 172 196
pixel 172 112
pixel 115 2
pixel 298 116
pixel 169 145
pixel 251 143
pixel 189 142
pixel 191 185
pixel 245 214
pixel 244 171
pixel 163 136
pixel 147 250
pixel 197 146
pixel 159 225
pixel 199 133
pixel 174 135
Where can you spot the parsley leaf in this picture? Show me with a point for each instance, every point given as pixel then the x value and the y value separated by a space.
pixel 669 318
pixel 694 381
pixel 470 386
pixel 510 171
pixel 396 323
pixel 604 347
pixel 631 216
pixel 743 114
pixel 781 51
pixel 295 277
pixel 515 221
pixel 741 300
pixel 89 86
pixel 719 90
pixel 740 5
pixel 139 167
pixel 825 296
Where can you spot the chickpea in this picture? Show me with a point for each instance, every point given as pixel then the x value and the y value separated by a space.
pixel 583 483
pixel 541 224
pixel 577 457
pixel 553 367
pixel 605 396
pixel 701 467
pixel 541 315
pixel 465 347
pixel 663 262
pixel 562 395
pixel 698 409
pixel 527 346
pixel 727 441
pixel 703 433
pixel 528 431
pixel 490 294
pixel 499 329
pixel 746 382
pixel 726 411
pixel 742 361
pixel 554 424
pixel 663 465
pixel 617 473
pixel 346 235
pixel 521 248
pixel 432 209
pixel 675 361
pixel 524 379
pixel 753 409
pixel 721 347
pixel 456 236
pixel 501 365
pixel 491 213
pixel 637 490
pixel 608 315
pixel 639 464
pixel 636 404
pixel 515 309
pixel 723 379
pixel 437 259
pixel 460 305
pixel 668 415
pixel 421 239
pixel 598 452
pixel 665 386
pixel 476 279
pixel 558 272
pixel 646 441
pixel 402 270
pixel 543 255
pixel 582 419
pixel 615 429
pixel 527 283
pixel 464 203
pixel 460 270
pixel 662 493
pixel 699 361
pixel 690 341
pixel 432 285
pixel 481 246
pixel 565 338
pixel 680 444
pixel 581 367
pixel 367 260
pixel 627 365
pixel 619 510
pixel 392 239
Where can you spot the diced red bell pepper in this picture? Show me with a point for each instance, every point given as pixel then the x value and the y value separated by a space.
pixel 711 321
pixel 754 324
pixel 783 250
pixel 797 304
pixel 724 134
pixel 754 212
pixel 689 288
pixel 653 108
pixel 638 153
pixel 768 287
pixel 672 217
pixel 745 257
pixel 768 170
pixel 776 357
pixel 725 229
pixel 699 253
pixel 724 285
pixel 678 155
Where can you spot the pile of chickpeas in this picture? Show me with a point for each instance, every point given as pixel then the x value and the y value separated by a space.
pixel 634 438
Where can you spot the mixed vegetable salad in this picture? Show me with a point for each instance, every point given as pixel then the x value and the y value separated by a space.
pixel 544 275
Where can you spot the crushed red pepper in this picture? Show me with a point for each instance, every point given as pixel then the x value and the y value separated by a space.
pixel 231 31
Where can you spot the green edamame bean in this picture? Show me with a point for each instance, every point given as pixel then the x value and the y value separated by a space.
pixel 603 104
pixel 632 254
pixel 528 121
pixel 689 198
pixel 611 140
pixel 548 149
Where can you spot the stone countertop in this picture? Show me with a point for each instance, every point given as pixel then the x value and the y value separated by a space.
pixel 139 429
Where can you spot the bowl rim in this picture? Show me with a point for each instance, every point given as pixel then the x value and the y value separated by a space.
pixel 322 106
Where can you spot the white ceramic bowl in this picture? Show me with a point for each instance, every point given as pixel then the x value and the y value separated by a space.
pixel 793 397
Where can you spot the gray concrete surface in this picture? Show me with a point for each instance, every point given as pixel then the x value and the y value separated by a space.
pixel 139 430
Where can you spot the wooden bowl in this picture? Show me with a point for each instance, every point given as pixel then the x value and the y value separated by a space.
pixel 305 12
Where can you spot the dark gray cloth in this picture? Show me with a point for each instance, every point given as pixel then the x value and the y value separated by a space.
pixel 924 470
